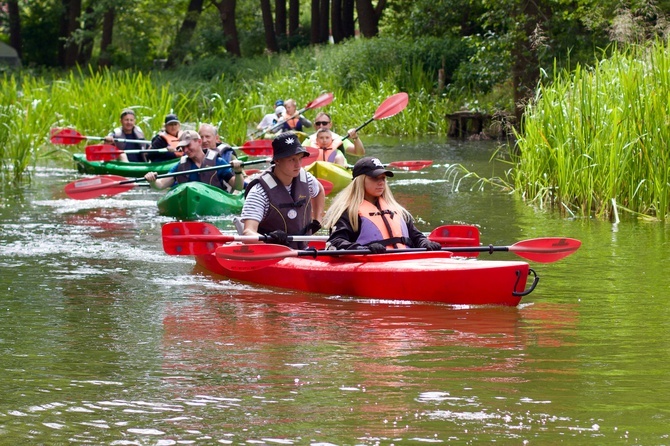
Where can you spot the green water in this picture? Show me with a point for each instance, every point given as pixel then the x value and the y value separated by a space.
pixel 104 339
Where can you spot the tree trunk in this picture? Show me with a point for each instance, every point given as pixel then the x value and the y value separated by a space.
pixel 227 14
pixel 324 21
pixel 69 24
pixel 182 43
pixel 368 16
pixel 280 19
pixel 336 20
pixel 315 33
pixel 270 38
pixel 348 26
pixel 86 44
pixel 15 39
pixel 105 59
pixel 293 17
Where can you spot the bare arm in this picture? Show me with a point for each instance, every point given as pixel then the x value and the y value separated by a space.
pixel 158 183
pixel 319 204
pixel 358 149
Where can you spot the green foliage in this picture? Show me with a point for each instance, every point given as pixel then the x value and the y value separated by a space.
pixel 40 24
pixel 601 134
pixel 413 64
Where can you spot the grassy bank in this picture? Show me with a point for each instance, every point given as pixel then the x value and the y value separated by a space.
pixel 233 95
pixel 595 140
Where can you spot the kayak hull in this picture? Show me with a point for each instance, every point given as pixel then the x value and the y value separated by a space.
pixel 340 176
pixel 114 167
pixel 417 276
pixel 190 201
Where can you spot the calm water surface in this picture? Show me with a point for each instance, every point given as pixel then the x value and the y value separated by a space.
pixel 104 339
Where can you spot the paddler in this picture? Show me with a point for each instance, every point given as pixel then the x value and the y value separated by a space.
pixel 352 145
pixel 364 215
pixel 128 131
pixel 292 122
pixel 166 139
pixel 229 178
pixel 284 200
pixel 327 147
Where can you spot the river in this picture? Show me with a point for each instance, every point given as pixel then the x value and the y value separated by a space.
pixel 104 339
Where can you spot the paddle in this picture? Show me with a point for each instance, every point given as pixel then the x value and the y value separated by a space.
pixel 106 152
pixel 199 238
pixel 321 101
pixel 327 185
pixel 114 184
pixel 71 136
pixel 252 257
pixel 391 106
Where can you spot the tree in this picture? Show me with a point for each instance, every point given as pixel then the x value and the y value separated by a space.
pixel 69 50
pixel 369 16
pixel 342 19
pixel 181 43
pixel 270 38
pixel 280 19
pixel 105 59
pixel 227 14
pixel 14 17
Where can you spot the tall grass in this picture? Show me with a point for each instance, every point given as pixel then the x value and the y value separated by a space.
pixel 231 94
pixel 599 136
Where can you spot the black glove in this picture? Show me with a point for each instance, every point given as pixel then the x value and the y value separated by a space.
pixel 313 227
pixel 279 237
pixel 377 248
pixel 430 245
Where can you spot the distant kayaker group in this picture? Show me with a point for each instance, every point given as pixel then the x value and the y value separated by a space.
pixel 285 199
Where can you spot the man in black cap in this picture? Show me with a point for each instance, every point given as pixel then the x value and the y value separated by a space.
pixel 167 139
pixel 284 200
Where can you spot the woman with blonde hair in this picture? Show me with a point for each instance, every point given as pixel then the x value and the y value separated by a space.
pixel 366 216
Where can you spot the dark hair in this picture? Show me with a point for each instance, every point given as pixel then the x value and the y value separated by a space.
pixel 127 111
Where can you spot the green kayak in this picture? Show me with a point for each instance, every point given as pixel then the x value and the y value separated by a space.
pixel 340 176
pixel 133 170
pixel 192 200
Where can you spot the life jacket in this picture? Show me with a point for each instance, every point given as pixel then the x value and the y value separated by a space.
pixel 208 177
pixel 291 213
pixel 118 134
pixel 382 224
pixel 292 124
pixel 121 145
pixel 226 152
pixel 171 141
pixel 327 154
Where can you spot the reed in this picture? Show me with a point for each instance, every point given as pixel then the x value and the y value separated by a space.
pixel 600 134
pixel 232 96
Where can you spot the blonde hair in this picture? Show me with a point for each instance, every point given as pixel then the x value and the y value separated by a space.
pixel 350 199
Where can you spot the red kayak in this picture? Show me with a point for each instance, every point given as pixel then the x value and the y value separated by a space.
pixel 429 276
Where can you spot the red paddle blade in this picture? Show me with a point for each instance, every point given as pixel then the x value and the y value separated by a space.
pixel 450 236
pixel 102 152
pixel 251 257
pixel 327 185
pixel 392 106
pixel 259 147
pixel 192 238
pixel 97 186
pixel 410 165
pixel 546 249
pixel 321 101
pixel 66 136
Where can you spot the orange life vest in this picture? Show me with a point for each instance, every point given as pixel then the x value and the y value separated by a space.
pixel 381 224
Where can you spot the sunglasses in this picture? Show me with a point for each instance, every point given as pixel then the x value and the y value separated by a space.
pixel 322 123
